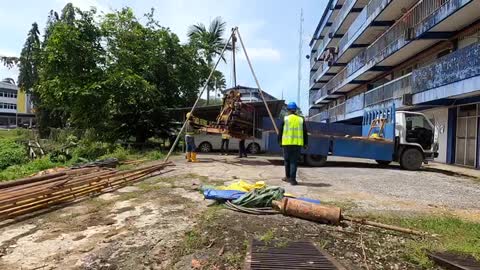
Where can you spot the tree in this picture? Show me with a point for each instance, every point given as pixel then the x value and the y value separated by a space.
pixel 110 73
pixel 9 61
pixel 70 72
pixel 148 71
pixel 210 43
pixel 29 60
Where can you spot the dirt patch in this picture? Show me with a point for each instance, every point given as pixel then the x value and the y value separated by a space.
pixel 128 229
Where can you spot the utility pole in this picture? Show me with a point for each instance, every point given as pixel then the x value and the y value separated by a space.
pixel 234 40
pixel 300 43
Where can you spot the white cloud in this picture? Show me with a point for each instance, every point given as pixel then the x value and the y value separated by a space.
pixel 262 54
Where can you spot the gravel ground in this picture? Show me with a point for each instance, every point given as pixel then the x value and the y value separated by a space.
pixel 361 182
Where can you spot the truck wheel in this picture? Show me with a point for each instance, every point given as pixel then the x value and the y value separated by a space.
pixel 411 159
pixel 315 160
pixel 383 162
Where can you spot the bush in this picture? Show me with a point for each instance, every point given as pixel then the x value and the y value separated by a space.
pixel 155 155
pixel 19 171
pixel 11 153
pixel 91 150
pixel 119 153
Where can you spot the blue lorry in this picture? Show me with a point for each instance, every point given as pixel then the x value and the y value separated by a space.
pixel 406 137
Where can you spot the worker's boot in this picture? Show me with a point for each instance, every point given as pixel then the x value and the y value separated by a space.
pixel 286 179
pixel 194 157
pixel 189 156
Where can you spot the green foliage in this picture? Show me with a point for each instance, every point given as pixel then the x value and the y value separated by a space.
pixel 11 153
pixel 29 60
pixel 110 73
pixel 155 155
pixel 91 150
pixel 119 153
pixel 19 171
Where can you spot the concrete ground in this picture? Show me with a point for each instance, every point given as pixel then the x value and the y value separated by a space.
pixel 362 184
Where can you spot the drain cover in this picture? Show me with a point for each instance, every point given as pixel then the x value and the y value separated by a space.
pixel 293 255
pixel 454 261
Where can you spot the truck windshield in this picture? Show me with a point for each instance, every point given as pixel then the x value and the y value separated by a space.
pixel 419 130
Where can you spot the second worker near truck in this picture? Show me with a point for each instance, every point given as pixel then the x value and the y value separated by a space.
pixel 292 137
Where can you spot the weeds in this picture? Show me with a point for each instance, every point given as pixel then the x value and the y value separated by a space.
pixel 454 235
pixel 268 236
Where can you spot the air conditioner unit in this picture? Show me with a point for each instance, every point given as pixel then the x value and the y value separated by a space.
pixel 407 100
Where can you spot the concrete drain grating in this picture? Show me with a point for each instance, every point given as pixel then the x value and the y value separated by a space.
pixel 292 255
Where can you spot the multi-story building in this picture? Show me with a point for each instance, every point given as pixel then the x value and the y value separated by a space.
pixel 419 55
pixel 15 106
pixel 250 94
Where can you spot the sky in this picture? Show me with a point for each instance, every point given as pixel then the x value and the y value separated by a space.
pixel 269 29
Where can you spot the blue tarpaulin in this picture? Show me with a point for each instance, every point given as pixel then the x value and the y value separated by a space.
pixel 214 194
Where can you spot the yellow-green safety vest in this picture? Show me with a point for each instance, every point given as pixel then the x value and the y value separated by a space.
pixel 293 130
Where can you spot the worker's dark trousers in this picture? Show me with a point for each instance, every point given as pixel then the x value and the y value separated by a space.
pixel 224 148
pixel 242 151
pixel 291 154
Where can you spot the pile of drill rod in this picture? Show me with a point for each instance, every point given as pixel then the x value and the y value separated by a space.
pixel 28 195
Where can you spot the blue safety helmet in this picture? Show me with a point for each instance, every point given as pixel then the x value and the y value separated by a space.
pixel 292 106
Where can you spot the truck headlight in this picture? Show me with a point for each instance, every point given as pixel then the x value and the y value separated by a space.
pixel 435 147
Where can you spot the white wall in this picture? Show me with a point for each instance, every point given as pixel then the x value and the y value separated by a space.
pixel 441 122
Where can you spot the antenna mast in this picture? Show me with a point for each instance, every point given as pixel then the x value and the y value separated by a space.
pixel 300 43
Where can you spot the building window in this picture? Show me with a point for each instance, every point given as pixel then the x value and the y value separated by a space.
pixel 8 106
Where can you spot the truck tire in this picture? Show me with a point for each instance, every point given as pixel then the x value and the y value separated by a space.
pixel 411 159
pixel 383 162
pixel 315 160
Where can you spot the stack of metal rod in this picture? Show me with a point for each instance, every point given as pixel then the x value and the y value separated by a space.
pixel 31 194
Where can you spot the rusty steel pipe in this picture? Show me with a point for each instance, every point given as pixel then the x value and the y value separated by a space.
pixel 308 211
pixel 65 195
pixel 30 180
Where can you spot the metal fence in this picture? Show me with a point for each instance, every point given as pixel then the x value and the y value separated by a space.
pixel 389 91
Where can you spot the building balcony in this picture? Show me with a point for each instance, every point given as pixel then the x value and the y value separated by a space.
pixel 354 106
pixel 454 75
pixel 406 38
pixel 397 91
pixel 337 113
pixel 319 117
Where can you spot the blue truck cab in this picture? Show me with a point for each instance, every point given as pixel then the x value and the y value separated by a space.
pixel 409 138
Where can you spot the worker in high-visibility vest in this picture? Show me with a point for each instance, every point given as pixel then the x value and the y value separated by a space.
pixel 191 154
pixel 225 142
pixel 292 137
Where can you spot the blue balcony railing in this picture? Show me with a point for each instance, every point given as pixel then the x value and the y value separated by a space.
pixel 454 67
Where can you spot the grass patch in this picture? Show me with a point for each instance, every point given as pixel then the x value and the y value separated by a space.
pixel 344 205
pixel 8 134
pixel 29 168
pixel 195 239
pixel 454 235
pixel 268 236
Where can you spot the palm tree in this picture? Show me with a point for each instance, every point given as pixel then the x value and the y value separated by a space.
pixel 210 42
